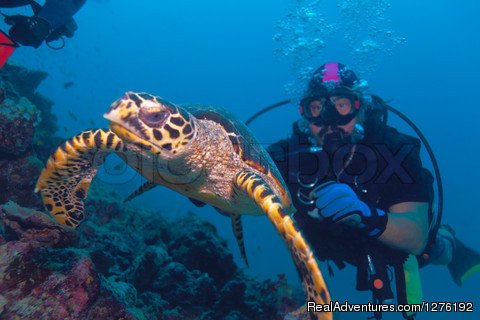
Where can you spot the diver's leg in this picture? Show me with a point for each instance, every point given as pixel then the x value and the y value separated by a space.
pixel 461 260
pixel 442 250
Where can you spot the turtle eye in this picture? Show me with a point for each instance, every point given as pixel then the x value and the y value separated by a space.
pixel 155 118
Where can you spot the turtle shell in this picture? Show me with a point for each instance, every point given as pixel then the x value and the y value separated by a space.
pixel 243 140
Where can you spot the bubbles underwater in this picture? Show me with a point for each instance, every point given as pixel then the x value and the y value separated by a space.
pixel 312 28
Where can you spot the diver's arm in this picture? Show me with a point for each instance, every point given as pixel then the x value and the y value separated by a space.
pixel 407 227
pixel 403 227
pixel 59 12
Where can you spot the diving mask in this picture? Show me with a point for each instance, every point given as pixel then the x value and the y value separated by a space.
pixel 337 108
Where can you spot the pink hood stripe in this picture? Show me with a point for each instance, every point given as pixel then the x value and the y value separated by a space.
pixel 330 73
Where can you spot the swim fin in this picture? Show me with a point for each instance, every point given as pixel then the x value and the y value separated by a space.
pixel 465 261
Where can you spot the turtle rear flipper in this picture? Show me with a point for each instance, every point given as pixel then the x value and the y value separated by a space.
pixel 66 178
pixel 238 232
pixel 259 191
pixel 146 186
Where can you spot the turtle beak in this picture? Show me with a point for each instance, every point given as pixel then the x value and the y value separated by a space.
pixel 121 125
pixel 123 117
pixel 120 111
pixel 116 124
pixel 123 132
pixel 110 118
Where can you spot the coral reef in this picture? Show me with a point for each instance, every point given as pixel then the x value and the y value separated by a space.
pixel 177 269
pixel 26 123
pixel 126 263
pixel 19 85
pixel 17 180
pixel 43 277
pixel 18 120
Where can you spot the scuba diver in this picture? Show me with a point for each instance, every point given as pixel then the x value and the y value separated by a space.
pixel 362 194
pixel 49 23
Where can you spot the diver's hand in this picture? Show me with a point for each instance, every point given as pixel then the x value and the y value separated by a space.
pixel 29 31
pixel 339 203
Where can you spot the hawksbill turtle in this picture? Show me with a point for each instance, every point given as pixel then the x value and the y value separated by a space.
pixel 201 152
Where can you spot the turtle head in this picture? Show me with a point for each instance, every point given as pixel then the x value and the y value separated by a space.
pixel 151 122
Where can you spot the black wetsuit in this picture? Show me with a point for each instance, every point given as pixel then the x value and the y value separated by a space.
pixel 385 169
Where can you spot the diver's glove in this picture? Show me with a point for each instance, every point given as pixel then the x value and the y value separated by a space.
pixel 29 31
pixel 339 203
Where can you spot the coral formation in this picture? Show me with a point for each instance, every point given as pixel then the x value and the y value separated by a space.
pixel 131 262
pixel 26 123
pixel 19 85
pixel 42 276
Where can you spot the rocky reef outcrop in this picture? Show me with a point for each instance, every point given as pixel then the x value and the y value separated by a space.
pixel 126 263
pixel 43 277
pixel 26 130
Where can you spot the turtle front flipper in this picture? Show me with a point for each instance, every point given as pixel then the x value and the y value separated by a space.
pixel 66 178
pixel 259 191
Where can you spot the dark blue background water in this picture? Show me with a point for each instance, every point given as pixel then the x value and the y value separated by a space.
pixel 222 52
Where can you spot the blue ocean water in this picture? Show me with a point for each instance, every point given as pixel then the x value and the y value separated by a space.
pixel 244 55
